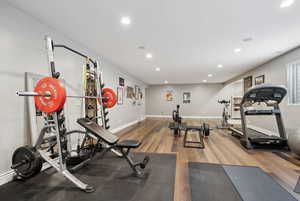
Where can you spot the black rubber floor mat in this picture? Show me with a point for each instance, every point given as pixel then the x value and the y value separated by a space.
pixel 297 187
pixel 111 177
pixel 255 185
pixel 209 182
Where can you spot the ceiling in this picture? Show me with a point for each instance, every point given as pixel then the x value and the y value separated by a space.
pixel 188 39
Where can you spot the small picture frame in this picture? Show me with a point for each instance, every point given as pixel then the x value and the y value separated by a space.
pixel 120 95
pixel 186 97
pixel 169 95
pixel 247 83
pixel 136 92
pixel 260 80
pixel 121 82
pixel 130 92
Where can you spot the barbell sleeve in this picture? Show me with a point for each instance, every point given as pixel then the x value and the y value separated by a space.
pixel 28 93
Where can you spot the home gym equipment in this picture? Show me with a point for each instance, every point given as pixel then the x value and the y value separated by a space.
pixel 177 124
pixel 50 95
pixel 175 115
pixel 27 162
pixel 52 144
pixel 203 131
pixel 100 134
pixel 225 114
pixel 271 96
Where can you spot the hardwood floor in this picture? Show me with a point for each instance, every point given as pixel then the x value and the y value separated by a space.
pixel 221 148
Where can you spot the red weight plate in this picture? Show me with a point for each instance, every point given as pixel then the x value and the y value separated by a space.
pixel 57 91
pixel 111 97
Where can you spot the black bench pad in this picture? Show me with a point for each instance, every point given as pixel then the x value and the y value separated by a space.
pixel 129 144
pixel 98 131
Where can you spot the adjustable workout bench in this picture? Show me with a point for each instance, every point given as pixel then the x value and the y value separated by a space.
pixel 99 133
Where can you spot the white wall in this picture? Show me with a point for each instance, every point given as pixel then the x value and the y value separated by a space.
pixel 275 72
pixel 204 99
pixel 23 50
pixel 205 96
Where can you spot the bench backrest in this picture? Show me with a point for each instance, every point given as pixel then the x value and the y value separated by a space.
pixel 97 130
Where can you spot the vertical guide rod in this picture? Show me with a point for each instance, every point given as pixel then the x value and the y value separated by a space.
pixel 61 167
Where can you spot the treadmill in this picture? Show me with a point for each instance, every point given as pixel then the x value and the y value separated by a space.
pixel 271 96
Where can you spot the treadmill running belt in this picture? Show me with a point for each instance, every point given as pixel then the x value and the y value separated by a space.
pixel 253 134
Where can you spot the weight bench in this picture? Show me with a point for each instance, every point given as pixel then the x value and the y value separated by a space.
pixel 113 141
pixel 203 130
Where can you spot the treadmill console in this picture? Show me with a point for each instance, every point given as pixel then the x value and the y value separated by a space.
pixel 265 93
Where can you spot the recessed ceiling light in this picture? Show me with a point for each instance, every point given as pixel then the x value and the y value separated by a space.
pixel 204 80
pixel 220 66
pixel 157 69
pixel 249 39
pixel 126 20
pixel 209 75
pixel 237 50
pixel 166 82
pixel 286 3
pixel 149 55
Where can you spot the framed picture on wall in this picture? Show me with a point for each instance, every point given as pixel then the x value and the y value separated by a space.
pixel 140 94
pixel 186 97
pixel 169 95
pixel 121 82
pixel 247 83
pixel 136 92
pixel 120 95
pixel 260 80
pixel 130 92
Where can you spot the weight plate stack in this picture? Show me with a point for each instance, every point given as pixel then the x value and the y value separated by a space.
pixel 26 162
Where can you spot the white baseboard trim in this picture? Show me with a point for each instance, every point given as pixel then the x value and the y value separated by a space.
pixel 159 116
pixel 186 117
pixel 115 130
pixel 201 117
pixel 9 175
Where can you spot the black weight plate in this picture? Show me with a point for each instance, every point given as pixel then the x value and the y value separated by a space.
pixel 174 115
pixel 33 165
pixel 206 130
pixel 38 164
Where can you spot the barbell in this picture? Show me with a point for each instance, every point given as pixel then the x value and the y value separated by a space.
pixel 50 95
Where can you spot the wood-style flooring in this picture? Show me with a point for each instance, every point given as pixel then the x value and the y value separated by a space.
pixel 221 148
